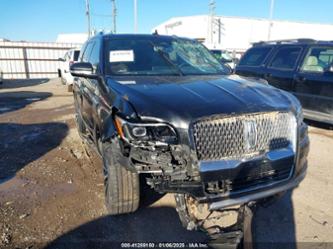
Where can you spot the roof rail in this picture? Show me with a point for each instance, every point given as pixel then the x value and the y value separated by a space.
pixel 299 40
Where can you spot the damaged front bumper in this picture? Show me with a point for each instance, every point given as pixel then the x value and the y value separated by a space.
pixel 174 169
pixel 264 193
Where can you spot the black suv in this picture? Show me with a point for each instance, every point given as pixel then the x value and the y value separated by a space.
pixel 164 107
pixel 303 67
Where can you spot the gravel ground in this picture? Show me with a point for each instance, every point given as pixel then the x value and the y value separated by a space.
pixel 51 186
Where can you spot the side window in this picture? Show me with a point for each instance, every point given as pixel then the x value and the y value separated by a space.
pixel 286 58
pixel 87 52
pixel 94 56
pixel 76 55
pixel 318 59
pixel 255 56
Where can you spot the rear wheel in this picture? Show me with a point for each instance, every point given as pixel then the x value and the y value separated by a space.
pixel 122 187
pixel 78 119
pixel 70 88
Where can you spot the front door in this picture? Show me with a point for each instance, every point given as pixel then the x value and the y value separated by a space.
pixel 314 83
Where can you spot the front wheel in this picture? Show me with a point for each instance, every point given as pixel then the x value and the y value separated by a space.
pixel 122 187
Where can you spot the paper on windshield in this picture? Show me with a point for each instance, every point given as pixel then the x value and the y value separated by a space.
pixel 121 56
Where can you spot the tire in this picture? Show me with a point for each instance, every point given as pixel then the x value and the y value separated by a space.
pixel 122 187
pixel 70 88
pixel 78 119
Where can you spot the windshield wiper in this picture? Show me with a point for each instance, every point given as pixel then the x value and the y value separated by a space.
pixel 166 58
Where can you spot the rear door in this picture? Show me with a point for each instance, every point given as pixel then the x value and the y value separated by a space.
pixel 314 84
pixel 252 62
pixel 281 68
pixel 85 84
pixel 91 89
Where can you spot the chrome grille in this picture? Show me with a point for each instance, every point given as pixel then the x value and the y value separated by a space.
pixel 243 136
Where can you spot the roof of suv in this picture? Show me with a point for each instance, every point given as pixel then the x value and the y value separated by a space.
pixel 142 36
pixel 303 41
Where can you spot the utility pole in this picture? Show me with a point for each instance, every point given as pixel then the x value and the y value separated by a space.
pixel 114 16
pixel 88 17
pixel 135 16
pixel 271 11
pixel 212 7
pixel 219 23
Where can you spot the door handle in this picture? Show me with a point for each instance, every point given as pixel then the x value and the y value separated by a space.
pixel 300 79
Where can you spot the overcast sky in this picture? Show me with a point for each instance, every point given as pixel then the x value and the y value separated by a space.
pixel 43 20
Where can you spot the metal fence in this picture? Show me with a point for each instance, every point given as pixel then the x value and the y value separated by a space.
pixel 28 60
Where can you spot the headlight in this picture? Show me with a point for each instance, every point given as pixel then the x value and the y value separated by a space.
pixel 298 107
pixel 145 132
pixel 293 131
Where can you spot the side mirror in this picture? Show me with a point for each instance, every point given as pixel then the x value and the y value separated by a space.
pixel 225 61
pixel 236 61
pixel 228 69
pixel 83 69
pixel 328 70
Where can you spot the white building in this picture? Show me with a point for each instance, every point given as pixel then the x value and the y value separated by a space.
pixel 79 38
pixel 238 33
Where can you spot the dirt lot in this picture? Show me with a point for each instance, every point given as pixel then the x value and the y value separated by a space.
pixel 51 189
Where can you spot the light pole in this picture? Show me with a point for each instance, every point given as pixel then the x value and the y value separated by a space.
pixel 135 16
pixel 88 17
pixel 270 25
pixel 114 16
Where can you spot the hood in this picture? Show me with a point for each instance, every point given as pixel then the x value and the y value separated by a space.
pixel 177 99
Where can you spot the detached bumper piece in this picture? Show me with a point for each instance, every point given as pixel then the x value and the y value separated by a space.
pixel 238 235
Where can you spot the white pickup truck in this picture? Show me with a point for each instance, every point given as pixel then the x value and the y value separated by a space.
pixel 70 57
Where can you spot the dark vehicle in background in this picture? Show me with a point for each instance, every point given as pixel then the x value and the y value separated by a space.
pixel 225 57
pixel 303 67
pixel 165 108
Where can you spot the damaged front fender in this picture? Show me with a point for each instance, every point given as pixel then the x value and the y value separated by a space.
pixel 120 104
